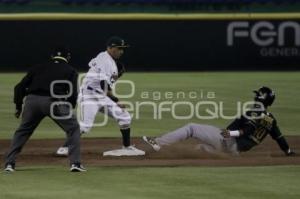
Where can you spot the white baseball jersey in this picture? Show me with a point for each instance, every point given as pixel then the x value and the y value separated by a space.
pixel 102 67
pixel 92 98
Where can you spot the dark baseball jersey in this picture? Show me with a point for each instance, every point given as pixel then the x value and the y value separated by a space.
pixel 256 125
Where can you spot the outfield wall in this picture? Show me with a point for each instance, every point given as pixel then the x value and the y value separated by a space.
pixel 160 42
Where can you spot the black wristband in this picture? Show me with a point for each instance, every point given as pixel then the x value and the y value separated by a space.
pixel 113 98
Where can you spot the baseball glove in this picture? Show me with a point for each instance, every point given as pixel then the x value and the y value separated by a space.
pixel 121 69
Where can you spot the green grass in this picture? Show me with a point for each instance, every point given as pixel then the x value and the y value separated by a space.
pixel 229 87
pixel 274 182
pixel 155 183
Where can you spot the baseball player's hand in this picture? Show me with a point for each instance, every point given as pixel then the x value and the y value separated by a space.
pixel 121 105
pixel 18 113
pixel 289 152
pixel 225 133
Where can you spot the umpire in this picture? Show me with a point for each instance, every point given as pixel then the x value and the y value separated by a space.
pixel 43 85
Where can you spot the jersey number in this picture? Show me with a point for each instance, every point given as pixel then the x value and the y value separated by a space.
pixel 260 133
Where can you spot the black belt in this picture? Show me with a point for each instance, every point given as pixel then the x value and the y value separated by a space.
pixel 40 93
pixel 91 89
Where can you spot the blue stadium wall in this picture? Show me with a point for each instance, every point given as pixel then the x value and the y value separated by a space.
pixel 157 44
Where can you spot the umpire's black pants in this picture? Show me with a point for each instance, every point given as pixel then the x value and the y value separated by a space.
pixel 35 109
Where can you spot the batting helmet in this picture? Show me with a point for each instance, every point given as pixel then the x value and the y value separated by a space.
pixel 264 95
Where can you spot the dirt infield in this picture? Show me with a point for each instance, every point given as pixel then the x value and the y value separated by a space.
pixel 41 152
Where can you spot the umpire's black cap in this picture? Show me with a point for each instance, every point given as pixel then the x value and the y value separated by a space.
pixel 116 41
pixel 61 51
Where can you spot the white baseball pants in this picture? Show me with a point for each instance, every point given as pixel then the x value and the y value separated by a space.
pixel 90 103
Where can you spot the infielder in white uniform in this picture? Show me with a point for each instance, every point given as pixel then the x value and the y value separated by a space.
pixel 96 96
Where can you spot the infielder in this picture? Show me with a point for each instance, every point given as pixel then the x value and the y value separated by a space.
pixel 96 96
pixel 43 99
pixel 241 135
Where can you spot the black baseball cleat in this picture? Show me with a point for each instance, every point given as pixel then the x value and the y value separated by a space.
pixel 9 168
pixel 77 168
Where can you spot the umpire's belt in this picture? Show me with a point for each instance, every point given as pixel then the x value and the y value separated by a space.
pixel 91 89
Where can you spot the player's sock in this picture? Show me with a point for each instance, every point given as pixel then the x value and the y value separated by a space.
pixel 67 143
pixel 126 136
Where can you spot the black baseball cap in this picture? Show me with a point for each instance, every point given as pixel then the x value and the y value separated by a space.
pixel 116 41
pixel 61 51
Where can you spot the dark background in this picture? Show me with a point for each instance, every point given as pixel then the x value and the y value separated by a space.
pixel 180 45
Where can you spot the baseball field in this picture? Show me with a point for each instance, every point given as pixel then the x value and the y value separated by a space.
pixel 178 171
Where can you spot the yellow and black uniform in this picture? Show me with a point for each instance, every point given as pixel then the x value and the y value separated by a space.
pixel 241 135
pixel 256 125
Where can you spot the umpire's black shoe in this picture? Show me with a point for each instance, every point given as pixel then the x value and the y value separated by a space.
pixel 77 167
pixel 9 167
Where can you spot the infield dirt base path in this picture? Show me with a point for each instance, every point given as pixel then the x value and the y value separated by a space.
pixel 42 152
